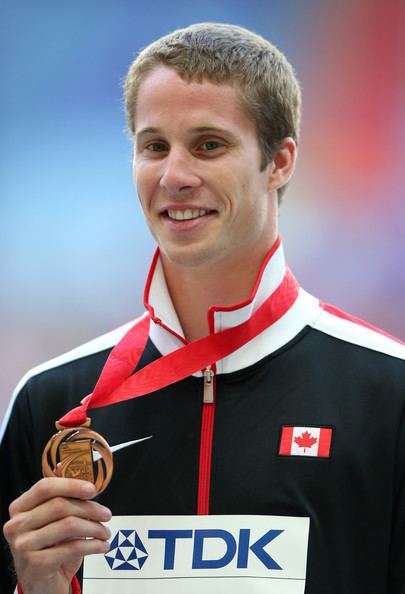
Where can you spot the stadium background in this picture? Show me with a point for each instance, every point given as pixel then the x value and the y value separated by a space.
pixel 73 247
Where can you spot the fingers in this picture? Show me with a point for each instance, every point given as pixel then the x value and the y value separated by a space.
pixel 39 564
pixel 51 527
pixel 62 531
pixel 49 513
pixel 51 524
pixel 48 488
pixel 57 508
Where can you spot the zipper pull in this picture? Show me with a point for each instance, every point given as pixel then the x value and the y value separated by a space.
pixel 209 375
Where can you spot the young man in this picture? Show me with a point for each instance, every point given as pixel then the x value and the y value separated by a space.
pixel 267 452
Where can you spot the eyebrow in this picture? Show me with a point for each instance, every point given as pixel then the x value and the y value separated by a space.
pixel 198 129
pixel 147 131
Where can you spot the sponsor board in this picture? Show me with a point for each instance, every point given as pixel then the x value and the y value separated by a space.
pixel 179 554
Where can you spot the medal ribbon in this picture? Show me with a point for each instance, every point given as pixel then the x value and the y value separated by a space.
pixel 116 383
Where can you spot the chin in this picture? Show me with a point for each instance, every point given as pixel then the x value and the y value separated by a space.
pixel 189 257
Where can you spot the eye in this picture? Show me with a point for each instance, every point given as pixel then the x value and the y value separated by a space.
pixel 156 147
pixel 211 145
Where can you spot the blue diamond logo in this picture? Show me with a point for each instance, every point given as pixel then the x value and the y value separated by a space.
pixel 126 551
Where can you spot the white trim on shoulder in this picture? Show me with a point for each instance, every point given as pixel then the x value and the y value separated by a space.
pixel 105 341
pixel 350 331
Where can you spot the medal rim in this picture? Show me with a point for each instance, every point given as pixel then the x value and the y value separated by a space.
pixel 104 466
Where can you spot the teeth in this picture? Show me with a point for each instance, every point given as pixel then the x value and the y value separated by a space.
pixel 186 215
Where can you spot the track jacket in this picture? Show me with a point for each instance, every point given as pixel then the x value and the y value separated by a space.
pixel 300 442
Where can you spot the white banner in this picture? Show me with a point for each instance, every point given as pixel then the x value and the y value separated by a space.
pixel 183 554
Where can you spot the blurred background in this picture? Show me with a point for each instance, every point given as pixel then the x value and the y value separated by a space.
pixel 74 250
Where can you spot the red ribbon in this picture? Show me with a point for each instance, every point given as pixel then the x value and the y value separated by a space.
pixel 115 383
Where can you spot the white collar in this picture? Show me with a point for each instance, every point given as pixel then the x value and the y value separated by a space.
pixel 167 335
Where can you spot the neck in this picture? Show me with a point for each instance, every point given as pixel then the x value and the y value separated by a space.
pixel 194 290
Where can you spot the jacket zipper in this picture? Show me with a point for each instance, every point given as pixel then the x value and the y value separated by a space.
pixel 209 377
pixel 207 427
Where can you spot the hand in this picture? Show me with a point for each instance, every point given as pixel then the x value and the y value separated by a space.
pixel 51 528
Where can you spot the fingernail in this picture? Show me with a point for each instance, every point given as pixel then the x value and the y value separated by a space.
pixel 88 489
pixel 106 513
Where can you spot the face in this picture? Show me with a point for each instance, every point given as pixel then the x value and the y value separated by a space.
pixel 197 173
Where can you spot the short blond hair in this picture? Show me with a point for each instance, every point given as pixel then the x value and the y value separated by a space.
pixel 269 91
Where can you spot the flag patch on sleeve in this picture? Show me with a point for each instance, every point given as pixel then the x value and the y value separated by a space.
pixel 314 442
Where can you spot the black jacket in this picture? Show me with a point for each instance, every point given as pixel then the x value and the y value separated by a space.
pixel 314 368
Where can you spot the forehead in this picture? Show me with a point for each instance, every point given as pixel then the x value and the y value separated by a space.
pixel 165 98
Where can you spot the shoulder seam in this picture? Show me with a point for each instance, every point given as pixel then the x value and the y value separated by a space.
pixel 356 332
pixel 92 347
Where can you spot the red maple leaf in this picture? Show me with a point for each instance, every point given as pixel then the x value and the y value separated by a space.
pixel 305 440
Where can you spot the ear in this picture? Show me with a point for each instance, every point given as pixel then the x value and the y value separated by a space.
pixel 282 166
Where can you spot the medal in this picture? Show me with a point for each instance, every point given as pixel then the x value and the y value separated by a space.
pixel 78 452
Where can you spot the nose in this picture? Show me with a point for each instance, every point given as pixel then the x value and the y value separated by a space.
pixel 179 173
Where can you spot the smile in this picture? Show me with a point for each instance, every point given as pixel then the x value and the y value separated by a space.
pixel 187 214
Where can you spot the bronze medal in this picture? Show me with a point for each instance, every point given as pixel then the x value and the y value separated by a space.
pixel 78 452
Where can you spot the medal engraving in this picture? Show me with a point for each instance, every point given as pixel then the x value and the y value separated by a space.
pixel 78 452
pixel 77 461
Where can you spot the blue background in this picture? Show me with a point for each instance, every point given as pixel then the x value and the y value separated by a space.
pixel 74 249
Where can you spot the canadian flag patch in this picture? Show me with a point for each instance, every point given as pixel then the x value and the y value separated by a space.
pixel 305 441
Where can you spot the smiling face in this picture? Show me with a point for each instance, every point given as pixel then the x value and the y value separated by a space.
pixel 197 172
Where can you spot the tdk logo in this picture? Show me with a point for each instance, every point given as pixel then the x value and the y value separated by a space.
pixel 127 551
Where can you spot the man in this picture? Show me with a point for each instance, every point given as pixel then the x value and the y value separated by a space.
pixel 266 451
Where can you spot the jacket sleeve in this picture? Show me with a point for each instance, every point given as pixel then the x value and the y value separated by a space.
pixel 17 471
pixel 396 577
pixel 20 467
